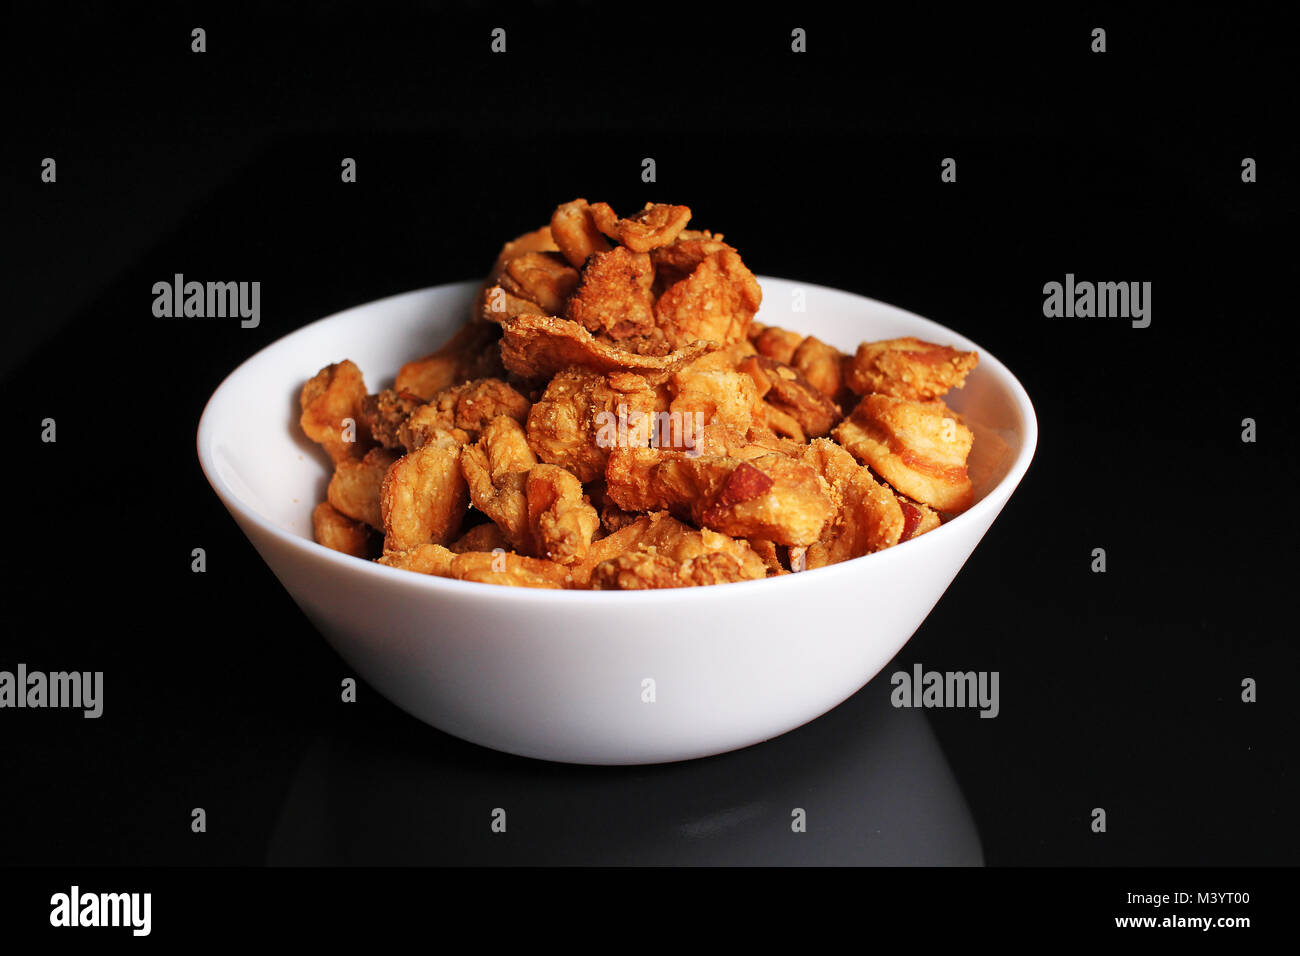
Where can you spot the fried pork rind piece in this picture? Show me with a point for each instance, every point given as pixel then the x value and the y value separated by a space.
pixel 575 232
pixel 425 559
pixel 769 496
pixel 793 398
pixel 642 570
pixel 766 550
pixel 775 343
pixel 917 519
pixel 338 532
pixel 424 497
pixel 482 537
pixel 462 411
pixel 560 518
pixel 506 567
pixel 384 414
pixel 918 447
pixel 582 414
pixel 496 471
pixel 654 226
pixel 331 397
pixel 540 277
pixel 539 240
pixel 614 301
pixel 707 294
pixel 908 368
pixel 540 346
pixel 702 395
pixel 471 353
pixel 678 543
pixel 355 489
pixel 822 366
pixel 868 516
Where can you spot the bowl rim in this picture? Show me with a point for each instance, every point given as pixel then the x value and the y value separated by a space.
pixel 993 500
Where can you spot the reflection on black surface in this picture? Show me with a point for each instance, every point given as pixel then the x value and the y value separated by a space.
pixel 872 781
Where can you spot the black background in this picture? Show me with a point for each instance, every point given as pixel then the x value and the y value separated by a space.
pixel 1119 690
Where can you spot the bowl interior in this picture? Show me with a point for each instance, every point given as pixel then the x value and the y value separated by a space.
pixel 257 457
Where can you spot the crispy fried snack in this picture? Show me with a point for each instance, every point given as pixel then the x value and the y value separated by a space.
pixel 583 414
pixel 329 400
pixel 560 517
pixel 654 226
pixel 639 570
pixel 793 398
pixel 384 413
pixel 540 346
pixel 496 471
pixel 705 292
pixel 614 301
pixel 506 567
pixel 822 366
pixel 908 368
pixel 471 353
pixel 424 559
pixel 620 420
pixel 424 497
pixel 868 515
pixel 482 537
pixel 575 232
pixel 661 534
pixel 462 411
pixel 917 519
pixel 775 343
pixel 355 488
pixel 770 496
pixel 338 532
pixel 543 278
pixel 918 447
pixel 716 395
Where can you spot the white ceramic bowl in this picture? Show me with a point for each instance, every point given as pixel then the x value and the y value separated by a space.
pixel 559 675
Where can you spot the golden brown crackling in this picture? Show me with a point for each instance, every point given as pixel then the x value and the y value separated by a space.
pixel 338 532
pixel 540 277
pixel 560 517
pixel 540 346
pixel 920 448
pixel 355 488
pixel 424 559
pixel 575 232
pixel 613 298
pixel 648 569
pixel 770 496
pixel 471 353
pixel 658 224
pixel 867 517
pixel 908 368
pixel 463 411
pixel 714 299
pixel 384 413
pixel 510 569
pixel 793 398
pixel 822 366
pixel 774 342
pixel 424 498
pixel 496 471
pixel 576 421
pixel 328 400
pixel 673 541
pixel 482 537
pixel 722 395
